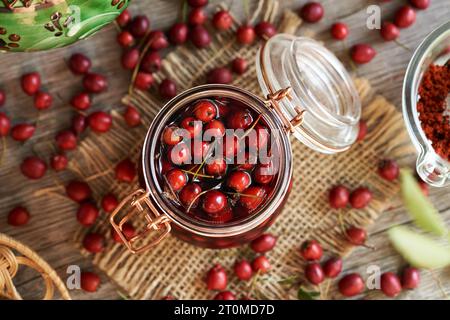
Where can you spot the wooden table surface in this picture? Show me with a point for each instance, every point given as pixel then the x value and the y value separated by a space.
pixel 51 234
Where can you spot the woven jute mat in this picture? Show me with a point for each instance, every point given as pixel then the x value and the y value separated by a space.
pixel 177 268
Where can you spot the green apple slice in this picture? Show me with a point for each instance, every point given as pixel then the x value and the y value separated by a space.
pixel 419 206
pixel 419 250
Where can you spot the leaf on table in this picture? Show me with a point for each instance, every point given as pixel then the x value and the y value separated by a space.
pixel 419 250
pixel 419 206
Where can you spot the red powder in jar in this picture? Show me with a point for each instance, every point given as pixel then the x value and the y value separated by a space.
pixel 432 108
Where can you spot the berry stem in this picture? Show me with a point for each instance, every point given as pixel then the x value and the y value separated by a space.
pixel 243 195
pixel 208 153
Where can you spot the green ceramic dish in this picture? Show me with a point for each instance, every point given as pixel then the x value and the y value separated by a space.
pixel 33 25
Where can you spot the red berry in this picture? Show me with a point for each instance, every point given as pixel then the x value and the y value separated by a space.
pixel 87 214
pixel 5 125
pixel 81 101
pixel 127 230
pixel 351 285
pixel 214 202
pixel 312 12
pixel 311 250
pixel 143 81
pixel 339 31
pixel 222 20
pixel 239 180
pixel 225 295
pixel 22 132
pixel 66 140
pixel 109 202
pixel 2 97
pixel 243 270
pixel 100 121
pixel 89 281
pixel 59 162
pixel 389 31
pixel 216 168
pixel 79 123
pixel 78 191
pixel 197 3
pixel 390 284
pixel 252 197
pixel 151 62
pixel 362 53
pixel 410 278
pixel 216 278
pixel 42 100
pixel 192 125
pixel 221 75
pixel 33 168
pixel 205 110
pixel 239 65
pixel 18 216
pixel 240 119
pixel 179 154
pixel 125 39
pixel 261 264
pixel 197 17
pixel 362 132
pixel 178 33
pixel 389 170
pixel 158 40
pixel 245 34
pixel 189 195
pixel 95 83
pixel 314 273
pixel 405 17
pixel 176 179
pixel 125 171
pixel 167 89
pixel 130 58
pixel 356 236
pixel 265 30
pixel 94 242
pixel 332 267
pixel 263 243
pixel 420 4
pixel 215 128
pixel 132 116
pixel 338 197
pixel 360 198
pixel 79 63
pixel 31 82
pixel 424 187
pixel 263 173
pixel 200 37
pixel 139 26
pixel 124 18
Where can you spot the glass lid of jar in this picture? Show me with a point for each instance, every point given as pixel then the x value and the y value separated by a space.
pixel 322 107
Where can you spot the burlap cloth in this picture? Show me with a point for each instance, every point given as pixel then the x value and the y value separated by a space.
pixel 177 268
